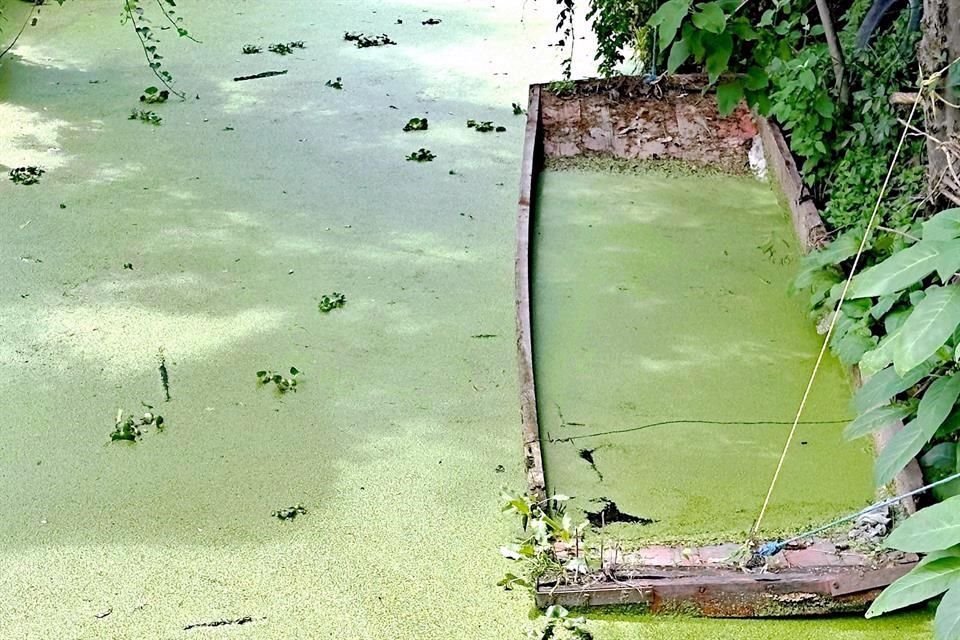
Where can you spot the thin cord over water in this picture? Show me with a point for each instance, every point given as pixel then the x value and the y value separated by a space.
pixel 833 318
pixel 662 423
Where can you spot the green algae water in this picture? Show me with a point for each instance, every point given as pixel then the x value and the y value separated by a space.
pixel 661 298
pixel 237 214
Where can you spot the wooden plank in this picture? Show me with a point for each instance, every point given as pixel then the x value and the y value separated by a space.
pixel 731 593
pixel 806 219
pixel 812 233
pixel 532 455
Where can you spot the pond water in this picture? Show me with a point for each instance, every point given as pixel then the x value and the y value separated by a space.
pixel 235 216
pixel 664 299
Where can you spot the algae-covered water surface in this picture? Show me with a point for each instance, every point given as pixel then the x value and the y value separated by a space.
pixel 663 299
pixel 362 505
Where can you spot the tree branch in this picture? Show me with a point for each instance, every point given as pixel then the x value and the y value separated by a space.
pixel 836 53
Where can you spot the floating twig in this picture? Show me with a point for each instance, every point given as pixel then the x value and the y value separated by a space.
pixel 256 76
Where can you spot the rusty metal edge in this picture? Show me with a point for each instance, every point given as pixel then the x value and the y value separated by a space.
pixel 812 234
pixel 532 455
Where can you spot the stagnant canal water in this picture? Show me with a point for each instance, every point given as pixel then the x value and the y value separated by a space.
pixel 234 216
pixel 661 298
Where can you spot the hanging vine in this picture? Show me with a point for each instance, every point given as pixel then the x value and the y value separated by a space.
pixel 134 14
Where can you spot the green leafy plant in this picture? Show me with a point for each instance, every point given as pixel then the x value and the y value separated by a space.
pixel 545 527
pixel 131 429
pixel 416 124
pixel 544 523
pixel 280 382
pixel 146 117
pixel 285 48
pixel 421 155
pixel 565 27
pixel 329 302
pixel 934 531
pixel 517 109
pixel 484 126
pixel 26 175
pixel 135 14
pixel 558 623
pixel 619 24
pixel 363 41
pixel 250 49
pixel 914 292
pixel 153 95
pixel 561 87
pixel 289 513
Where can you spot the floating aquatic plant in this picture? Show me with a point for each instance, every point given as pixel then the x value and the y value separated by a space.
pixel 251 49
pixel 153 95
pixel 363 41
pixel 131 429
pixel 329 302
pixel 421 155
pixel 289 513
pixel 26 175
pixel 282 383
pixel 147 117
pixel 335 84
pixel 484 126
pixel 416 124
pixel 286 48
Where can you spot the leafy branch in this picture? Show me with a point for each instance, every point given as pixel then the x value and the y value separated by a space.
pixel 135 15
pixel 176 23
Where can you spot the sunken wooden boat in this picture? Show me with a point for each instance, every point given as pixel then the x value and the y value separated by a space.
pixel 819 576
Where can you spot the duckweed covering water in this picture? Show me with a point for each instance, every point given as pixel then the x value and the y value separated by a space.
pixel 402 442
pixel 662 297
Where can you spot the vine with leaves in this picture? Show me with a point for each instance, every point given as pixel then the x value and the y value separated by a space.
pixel 134 14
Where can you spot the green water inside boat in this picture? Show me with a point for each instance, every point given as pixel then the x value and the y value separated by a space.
pixel 662 298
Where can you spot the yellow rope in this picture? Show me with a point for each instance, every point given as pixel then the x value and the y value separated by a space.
pixel 833 319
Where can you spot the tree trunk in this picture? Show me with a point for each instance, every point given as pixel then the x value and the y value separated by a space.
pixel 939 46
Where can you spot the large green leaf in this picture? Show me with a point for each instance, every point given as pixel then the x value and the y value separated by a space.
pixel 884 304
pixel 943 226
pixel 679 53
pixel 709 17
pixel 935 406
pixel 843 247
pixel 880 387
pixel 937 403
pixel 946 624
pixel 905 268
pixel 925 581
pixel 851 339
pixel 930 529
pixel 719 48
pixel 668 18
pixel 876 418
pixel 729 95
pixel 928 327
pixel 940 462
pixel 880 358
